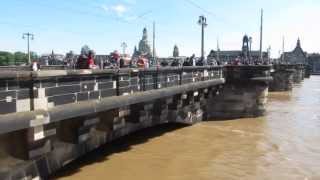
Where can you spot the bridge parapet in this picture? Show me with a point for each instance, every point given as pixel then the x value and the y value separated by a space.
pixel 240 74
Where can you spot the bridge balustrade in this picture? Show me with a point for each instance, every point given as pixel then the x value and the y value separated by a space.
pixel 22 91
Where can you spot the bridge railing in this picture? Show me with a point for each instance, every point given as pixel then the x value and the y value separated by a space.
pixel 238 74
pixel 22 91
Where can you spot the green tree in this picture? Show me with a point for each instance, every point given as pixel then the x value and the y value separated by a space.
pixel 17 58
pixel 6 58
pixel 20 58
pixel 34 55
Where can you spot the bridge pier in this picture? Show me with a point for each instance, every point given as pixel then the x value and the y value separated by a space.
pixel 282 78
pixel 299 74
pixel 308 71
pixel 189 111
pixel 244 94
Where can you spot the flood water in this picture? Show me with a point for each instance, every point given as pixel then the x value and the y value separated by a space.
pixel 285 144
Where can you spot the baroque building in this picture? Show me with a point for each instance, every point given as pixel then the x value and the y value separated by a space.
pixel 144 46
pixel 297 56
pixel 244 54
pixel 314 62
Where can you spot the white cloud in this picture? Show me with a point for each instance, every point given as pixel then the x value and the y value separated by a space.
pixel 118 9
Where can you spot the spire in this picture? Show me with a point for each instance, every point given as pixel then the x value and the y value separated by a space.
pixel 175 51
pixel 144 47
pixel 298 43
pixel 52 54
pixel 145 34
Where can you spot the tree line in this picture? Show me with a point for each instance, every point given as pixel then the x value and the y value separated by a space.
pixel 16 58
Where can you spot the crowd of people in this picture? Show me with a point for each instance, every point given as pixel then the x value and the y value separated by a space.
pixel 116 60
pixel 86 60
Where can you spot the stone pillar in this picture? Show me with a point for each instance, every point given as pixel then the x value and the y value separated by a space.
pixel 161 110
pixel 282 78
pixel 244 94
pixel 307 71
pixel 186 109
pixel 298 76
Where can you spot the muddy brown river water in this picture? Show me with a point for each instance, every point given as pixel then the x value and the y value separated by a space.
pixel 285 144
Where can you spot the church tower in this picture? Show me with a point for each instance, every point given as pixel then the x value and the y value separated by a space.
pixel 144 47
pixel 245 47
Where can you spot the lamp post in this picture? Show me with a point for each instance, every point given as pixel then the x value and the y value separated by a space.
pixel 269 54
pixel 29 37
pixel 261 35
pixel 124 47
pixel 203 23
pixel 250 50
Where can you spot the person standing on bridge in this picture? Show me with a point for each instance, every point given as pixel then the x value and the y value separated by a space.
pixel 141 63
pixel 35 66
pixel 91 63
pixel 86 61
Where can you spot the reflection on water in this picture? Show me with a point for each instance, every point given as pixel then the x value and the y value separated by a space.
pixel 283 145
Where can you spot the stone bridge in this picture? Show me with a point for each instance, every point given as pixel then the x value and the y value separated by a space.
pixel 285 75
pixel 49 118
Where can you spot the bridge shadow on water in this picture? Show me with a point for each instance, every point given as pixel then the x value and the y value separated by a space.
pixel 122 144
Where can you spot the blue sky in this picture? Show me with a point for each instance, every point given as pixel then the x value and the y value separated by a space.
pixel 63 25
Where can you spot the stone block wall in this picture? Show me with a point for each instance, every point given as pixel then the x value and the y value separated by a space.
pixel 128 82
pixel 282 80
pixel 55 91
pixel 15 95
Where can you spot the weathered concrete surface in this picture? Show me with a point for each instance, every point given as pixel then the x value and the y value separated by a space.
pixel 282 78
pixel 244 94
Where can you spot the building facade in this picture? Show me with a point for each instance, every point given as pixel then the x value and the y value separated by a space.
pixel 245 55
pixel 297 56
pixel 144 46
pixel 314 62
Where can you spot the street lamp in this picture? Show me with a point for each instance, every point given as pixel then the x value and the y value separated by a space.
pixel 203 23
pixel 29 37
pixel 250 50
